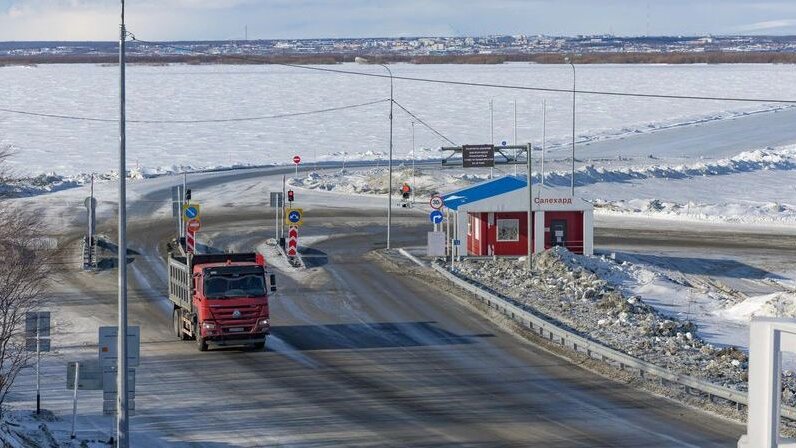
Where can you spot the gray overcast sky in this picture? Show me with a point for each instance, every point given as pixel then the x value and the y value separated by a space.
pixel 225 19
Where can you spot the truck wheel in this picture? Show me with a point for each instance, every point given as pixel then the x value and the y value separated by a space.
pixel 177 319
pixel 201 344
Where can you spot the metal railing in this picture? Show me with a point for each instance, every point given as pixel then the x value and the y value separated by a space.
pixel 550 329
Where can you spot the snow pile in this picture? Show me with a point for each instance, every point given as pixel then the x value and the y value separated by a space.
pixel 587 295
pixel 779 304
pixel 744 213
pixel 747 161
pixel 376 180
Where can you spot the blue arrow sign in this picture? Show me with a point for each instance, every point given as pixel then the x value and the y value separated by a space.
pixel 294 216
pixel 191 212
pixel 435 217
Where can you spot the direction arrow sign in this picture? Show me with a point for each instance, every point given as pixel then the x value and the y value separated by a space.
pixel 294 217
pixel 190 211
pixel 435 217
pixel 436 202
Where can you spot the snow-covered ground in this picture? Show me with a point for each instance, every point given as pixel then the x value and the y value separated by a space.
pixel 180 92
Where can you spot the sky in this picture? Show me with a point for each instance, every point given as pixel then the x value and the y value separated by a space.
pixel 285 19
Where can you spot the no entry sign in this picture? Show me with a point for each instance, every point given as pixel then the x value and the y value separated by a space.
pixel 194 225
pixel 296 159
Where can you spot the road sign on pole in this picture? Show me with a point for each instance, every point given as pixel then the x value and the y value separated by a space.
pixel 435 217
pixel 194 225
pixel 296 161
pixel 190 211
pixel 37 339
pixel 292 241
pixel 294 217
pixel 436 202
pixel 190 241
pixel 108 345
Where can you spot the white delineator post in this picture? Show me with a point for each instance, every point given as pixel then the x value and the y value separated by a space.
pixel 74 399
pixel 768 338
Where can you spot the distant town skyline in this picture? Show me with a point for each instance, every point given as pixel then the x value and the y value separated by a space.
pixel 299 19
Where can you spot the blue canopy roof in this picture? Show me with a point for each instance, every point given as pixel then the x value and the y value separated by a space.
pixel 483 190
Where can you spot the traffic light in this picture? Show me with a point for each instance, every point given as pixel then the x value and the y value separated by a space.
pixel 290 195
pixel 187 194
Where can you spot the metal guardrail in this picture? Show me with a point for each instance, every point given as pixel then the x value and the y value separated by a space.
pixel 547 328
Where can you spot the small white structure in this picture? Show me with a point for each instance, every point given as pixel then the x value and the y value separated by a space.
pixel 768 338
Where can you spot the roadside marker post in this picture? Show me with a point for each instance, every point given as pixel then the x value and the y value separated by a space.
pixel 74 399
pixel 292 242
pixel 37 339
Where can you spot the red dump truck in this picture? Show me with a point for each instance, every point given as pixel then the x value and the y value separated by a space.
pixel 220 299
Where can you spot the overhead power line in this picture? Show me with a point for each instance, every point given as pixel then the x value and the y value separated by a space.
pixel 211 120
pixel 419 120
pixel 470 84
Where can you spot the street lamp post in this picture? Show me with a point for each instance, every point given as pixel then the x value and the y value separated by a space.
pixel 122 424
pixel 571 64
pixel 389 191
pixel 414 176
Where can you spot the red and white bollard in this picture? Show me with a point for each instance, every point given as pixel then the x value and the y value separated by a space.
pixel 292 241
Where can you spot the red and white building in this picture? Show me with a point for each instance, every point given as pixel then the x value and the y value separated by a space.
pixel 491 219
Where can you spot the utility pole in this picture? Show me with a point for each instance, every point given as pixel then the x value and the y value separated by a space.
pixel 530 210
pixel 515 136
pixel 491 132
pixel 573 125
pixel 122 426
pixel 414 177
pixel 544 135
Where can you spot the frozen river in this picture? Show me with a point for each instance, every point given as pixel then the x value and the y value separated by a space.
pixel 181 92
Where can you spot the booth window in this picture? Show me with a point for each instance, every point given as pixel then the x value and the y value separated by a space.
pixel 508 229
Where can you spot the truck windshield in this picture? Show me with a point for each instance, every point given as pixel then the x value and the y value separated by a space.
pixel 221 286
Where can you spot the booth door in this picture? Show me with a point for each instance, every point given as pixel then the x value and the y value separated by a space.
pixel 558 232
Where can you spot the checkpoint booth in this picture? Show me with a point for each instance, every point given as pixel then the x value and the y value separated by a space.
pixel 491 219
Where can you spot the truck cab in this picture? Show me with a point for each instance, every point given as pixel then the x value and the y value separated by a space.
pixel 221 299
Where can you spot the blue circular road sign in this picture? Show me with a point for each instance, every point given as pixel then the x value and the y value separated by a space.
pixel 191 212
pixel 294 216
pixel 435 217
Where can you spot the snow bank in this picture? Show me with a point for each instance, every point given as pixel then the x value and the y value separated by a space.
pixel 587 295
pixel 780 304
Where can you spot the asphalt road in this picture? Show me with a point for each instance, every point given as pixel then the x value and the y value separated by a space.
pixel 364 355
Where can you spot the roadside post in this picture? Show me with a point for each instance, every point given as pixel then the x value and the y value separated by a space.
pixel 82 375
pixel 294 219
pixel 37 339
pixel 276 201
pixel 74 399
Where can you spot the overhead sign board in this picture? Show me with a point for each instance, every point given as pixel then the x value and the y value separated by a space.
pixel 37 323
pixel 277 199
pixel 478 156
pixel 108 346
pixel 294 217
pixel 90 376
pixel 44 344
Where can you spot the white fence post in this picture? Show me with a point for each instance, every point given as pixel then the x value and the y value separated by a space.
pixel 768 337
